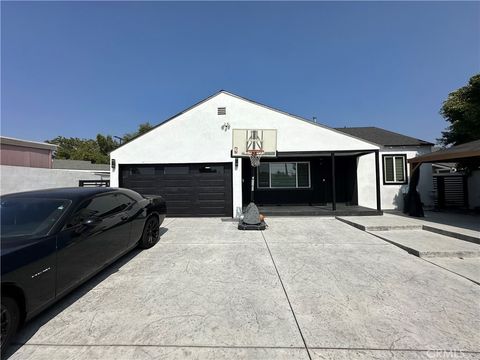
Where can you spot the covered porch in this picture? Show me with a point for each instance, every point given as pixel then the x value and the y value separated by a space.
pixel 309 184
pixel 317 210
pixel 448 193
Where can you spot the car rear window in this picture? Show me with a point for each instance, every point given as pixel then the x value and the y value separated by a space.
pixel 30 216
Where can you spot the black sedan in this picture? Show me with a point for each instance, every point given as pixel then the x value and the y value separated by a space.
pixel 54 240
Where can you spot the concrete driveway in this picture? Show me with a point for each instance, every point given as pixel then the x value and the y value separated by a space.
pixel 304 288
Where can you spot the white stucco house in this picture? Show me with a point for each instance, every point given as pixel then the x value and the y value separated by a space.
pixel 395 150
pixel 188 160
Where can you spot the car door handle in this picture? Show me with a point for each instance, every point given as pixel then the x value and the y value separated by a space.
pixel 124 217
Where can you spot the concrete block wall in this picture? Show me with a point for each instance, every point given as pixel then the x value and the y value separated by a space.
pixel 20 178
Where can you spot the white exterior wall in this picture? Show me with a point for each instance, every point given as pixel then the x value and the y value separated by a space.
pixel 392 195
pixel 21 178
pixel 474 189
pixel 196 136
pixel 367 189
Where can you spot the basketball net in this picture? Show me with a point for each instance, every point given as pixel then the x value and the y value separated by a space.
pixel 255 156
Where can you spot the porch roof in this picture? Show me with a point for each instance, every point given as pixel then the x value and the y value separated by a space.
pixel 453 154
pixel 324 153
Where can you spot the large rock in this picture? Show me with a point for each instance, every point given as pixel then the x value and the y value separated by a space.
pixel 251 215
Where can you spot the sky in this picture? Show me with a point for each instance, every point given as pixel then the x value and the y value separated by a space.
pixel 76 69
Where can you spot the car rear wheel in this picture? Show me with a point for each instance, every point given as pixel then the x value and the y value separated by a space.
pixel 10 317
pixel 151 233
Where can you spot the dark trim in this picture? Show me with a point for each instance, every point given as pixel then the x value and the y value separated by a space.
pixel 323 153
pixel 247 157
pixel 310 153
pixel 408 145
pixel 405 169
pixel 377 181
pixel 334 195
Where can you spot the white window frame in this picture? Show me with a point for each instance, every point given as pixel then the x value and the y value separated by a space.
pixel 404 167
pixel 284 187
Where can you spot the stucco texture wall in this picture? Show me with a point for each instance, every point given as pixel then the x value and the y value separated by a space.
pixel 19 178
pixel 367 195
pixel 196 136
pixel 392 195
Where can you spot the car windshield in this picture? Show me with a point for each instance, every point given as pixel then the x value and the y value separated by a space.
pixel 30 217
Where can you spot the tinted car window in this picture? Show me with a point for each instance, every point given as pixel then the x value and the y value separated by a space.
pixel 30 216
pixel 99 206
pixel 124 201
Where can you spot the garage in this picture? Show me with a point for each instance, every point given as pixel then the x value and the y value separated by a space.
pixel 200 173
pixel 189 189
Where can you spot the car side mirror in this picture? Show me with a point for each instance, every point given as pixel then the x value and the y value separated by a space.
pixel 92 221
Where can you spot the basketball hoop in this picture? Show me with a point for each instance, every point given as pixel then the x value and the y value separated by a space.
pixel 254 144
pixel 255 156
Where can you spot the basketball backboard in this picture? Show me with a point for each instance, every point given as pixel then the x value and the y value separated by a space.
pixel 248 141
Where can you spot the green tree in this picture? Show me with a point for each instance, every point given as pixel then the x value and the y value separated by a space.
pixel 95 150
pixel 142 129
pixel 462 111
pixel 106 144
pixel 79 149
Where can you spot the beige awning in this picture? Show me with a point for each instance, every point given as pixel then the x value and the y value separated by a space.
pixel 453 154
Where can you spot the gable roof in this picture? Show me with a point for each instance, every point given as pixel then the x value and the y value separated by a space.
pixel 383 137
pixel 27 143
pixel 253 102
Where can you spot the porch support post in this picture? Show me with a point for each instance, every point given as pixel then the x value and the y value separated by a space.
pixel 377 179
pixel 334 197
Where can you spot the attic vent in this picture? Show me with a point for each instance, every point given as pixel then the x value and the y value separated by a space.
pixel 222 111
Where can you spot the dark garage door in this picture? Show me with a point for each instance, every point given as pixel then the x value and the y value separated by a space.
pixel 189 189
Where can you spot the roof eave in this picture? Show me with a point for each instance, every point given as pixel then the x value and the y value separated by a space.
pixel 27 143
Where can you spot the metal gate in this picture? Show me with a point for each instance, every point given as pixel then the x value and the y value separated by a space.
pixel 451 191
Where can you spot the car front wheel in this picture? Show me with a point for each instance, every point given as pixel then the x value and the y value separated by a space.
pixel 151 233
pixel 10 315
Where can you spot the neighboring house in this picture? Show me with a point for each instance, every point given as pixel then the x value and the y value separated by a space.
pixel 16 152
pixel 395 150
pixel 188 160
pixel 27 165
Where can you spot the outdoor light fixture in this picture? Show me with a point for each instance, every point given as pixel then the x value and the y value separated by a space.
pixel 226 126
pixel 236 163
pixel 113 164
